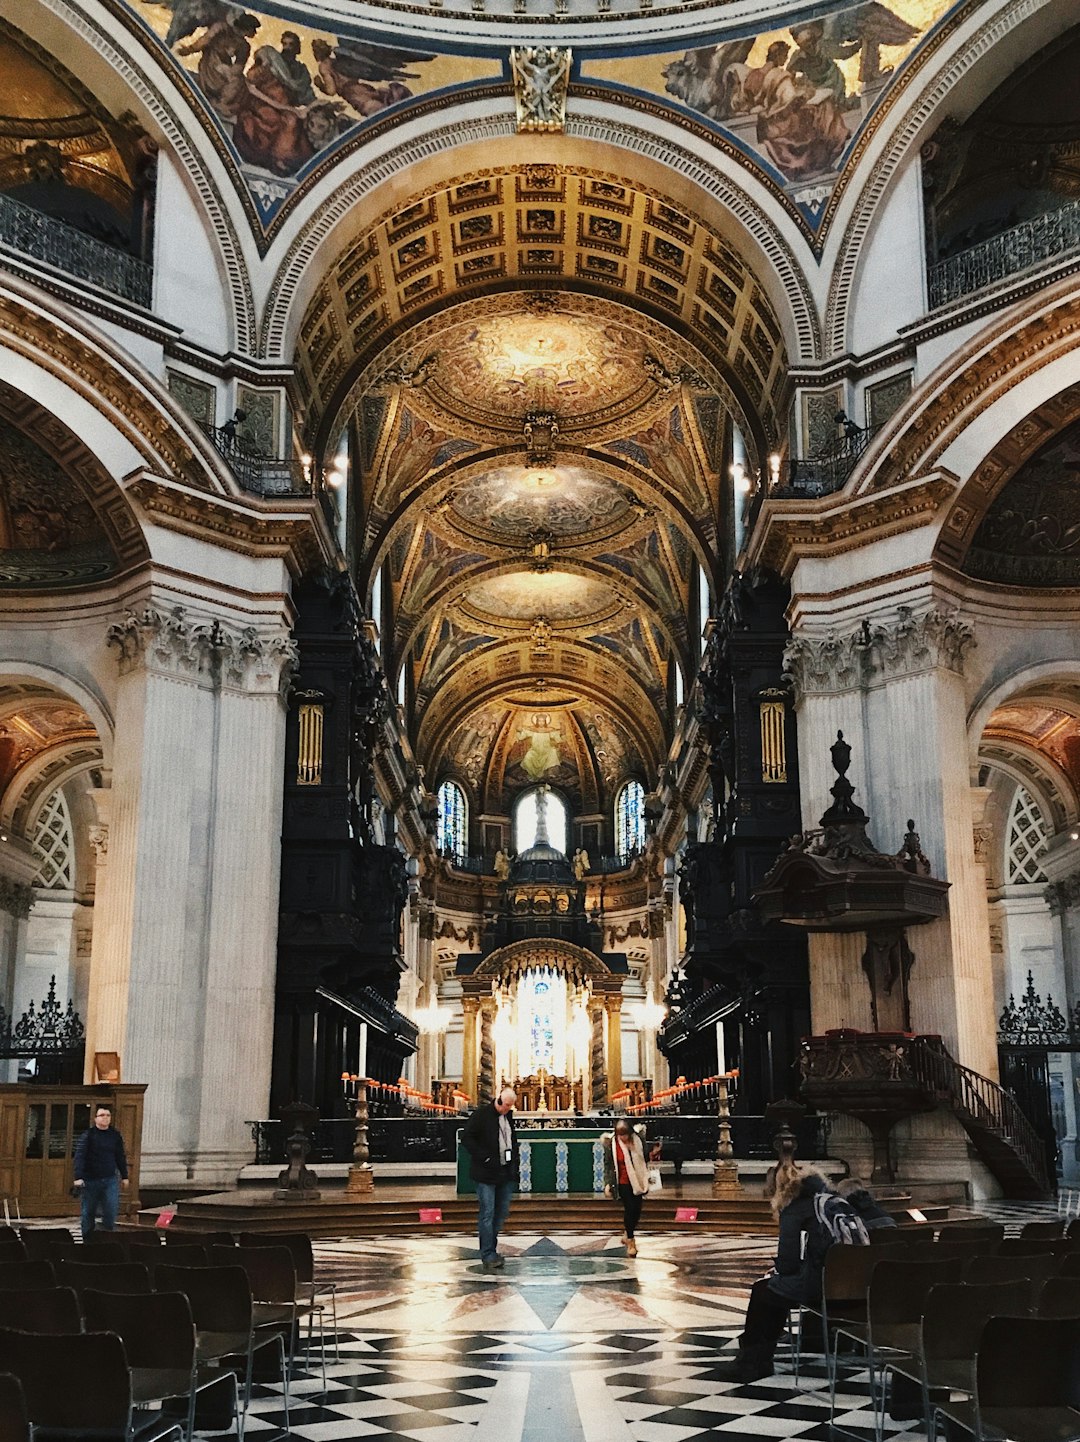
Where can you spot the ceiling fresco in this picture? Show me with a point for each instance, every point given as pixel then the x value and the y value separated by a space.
pixel 1049 727
pixel 548 595
pixel 795 100
pixel 633 312
pixel 504 747
pixel 283 98
pixel 519 501
pixel 35 720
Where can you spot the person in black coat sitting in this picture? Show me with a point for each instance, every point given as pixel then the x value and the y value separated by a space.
pixel 858 1196
pixel 796 1277
pixel 491 1142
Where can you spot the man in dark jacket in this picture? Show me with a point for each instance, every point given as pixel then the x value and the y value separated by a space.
pixel 100 1169
pixel 491 1143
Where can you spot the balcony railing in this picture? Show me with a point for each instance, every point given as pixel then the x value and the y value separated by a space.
pixel 1014 250
pixel 61 246
pixel 259 474
pixel 827 471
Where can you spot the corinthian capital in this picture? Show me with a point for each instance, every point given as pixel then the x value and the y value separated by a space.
pixel 905 643
pixel 203 650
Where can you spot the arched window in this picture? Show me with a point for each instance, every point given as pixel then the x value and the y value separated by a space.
pixel 540 821
pixel 630 819
pixel 452 827
pixel 1025 840
pixel 53 843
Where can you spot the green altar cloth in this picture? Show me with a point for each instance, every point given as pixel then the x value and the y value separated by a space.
pixel 550 1161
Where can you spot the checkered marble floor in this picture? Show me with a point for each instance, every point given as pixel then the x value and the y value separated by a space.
pixel 572 1342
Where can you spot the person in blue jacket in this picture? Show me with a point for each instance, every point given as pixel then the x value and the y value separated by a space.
pixel 100 1170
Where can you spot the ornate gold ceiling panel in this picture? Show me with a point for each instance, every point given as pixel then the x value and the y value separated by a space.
pixel 565 234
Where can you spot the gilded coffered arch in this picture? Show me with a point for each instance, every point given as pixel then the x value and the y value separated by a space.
pixel 545 228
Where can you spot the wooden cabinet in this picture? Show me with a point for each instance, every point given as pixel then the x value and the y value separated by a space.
pixel 40 1127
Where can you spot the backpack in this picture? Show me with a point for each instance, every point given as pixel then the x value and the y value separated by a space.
pixel 840 1221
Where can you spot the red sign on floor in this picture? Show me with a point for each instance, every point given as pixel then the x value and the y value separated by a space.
pixel 686 1214
pixel 431 1214
pixel 164 1219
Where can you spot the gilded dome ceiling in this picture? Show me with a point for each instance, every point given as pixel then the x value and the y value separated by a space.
pixel 586 370
pixel 526 596
pixel 519 501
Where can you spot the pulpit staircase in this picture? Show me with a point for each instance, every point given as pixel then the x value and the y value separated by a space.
pixel 1000 1132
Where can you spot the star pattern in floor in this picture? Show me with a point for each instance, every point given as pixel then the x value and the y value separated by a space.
pixel 571 1342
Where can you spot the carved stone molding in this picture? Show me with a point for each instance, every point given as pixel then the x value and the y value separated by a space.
pixel 982 835
pixel 98 837
pixel 878 651
pixel 172 643
pixel 1063 895
pixel 16 897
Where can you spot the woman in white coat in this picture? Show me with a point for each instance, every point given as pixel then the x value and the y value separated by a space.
pixel 626 1175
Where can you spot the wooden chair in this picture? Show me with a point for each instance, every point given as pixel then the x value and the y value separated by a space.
pixel 224 1313
pixel 1060 1297
pixel 844 1283
pixel 18 1276
pixel 1053 1228
pixel 79 1383
pixel 44 1243
pixel 307 1289
pixel 1009 1269
pixel 988 1233
pixel 198 1239
pixel 894 1308
pixel 55 1311
pixel 274 1287
pixel 158 1333
pixel 952 1323
pixel 1027 1382
pixel 130 1277
pixel 14 1422
pixel 12 1250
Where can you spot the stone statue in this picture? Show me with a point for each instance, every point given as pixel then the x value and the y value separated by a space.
pixel 581 863
pixel 541 75
pixel 502 864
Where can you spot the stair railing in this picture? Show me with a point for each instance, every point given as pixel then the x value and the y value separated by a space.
pixel 989 1105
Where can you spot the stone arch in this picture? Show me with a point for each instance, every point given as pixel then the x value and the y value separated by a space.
pixel 604 142
pixel 562 956
pixel 961 70
pixel 154 93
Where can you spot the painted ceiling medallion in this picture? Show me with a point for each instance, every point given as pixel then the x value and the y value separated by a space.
pixel 520 501
pixel 558 596
pixel 583 371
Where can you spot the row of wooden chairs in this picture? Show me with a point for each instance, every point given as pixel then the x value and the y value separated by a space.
pixel 191 1323
pixel 918 1308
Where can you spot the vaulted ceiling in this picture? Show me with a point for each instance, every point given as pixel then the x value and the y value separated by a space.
pixel 541 369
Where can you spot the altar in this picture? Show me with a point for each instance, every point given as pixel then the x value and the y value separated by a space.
pixel 550 1161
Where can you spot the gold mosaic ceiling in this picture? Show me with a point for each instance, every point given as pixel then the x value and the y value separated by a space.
pixel 533 228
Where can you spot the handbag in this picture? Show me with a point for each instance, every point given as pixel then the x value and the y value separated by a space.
pixel 653 1179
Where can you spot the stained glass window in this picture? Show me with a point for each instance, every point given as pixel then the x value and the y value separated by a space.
pixel 1026 840
pixel 630 819
pixel 451 829
pixel 526 820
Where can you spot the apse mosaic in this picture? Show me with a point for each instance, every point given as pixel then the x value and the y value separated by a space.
pixel 283 95
pixel 794 99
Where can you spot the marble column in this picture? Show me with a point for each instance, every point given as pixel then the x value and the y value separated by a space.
pixel 470 1006
pixel 894 685
pixel 18 866
pixel 598 1091
pixel 183 982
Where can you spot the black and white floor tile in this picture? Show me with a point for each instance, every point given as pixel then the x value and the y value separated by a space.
pixel 571 1342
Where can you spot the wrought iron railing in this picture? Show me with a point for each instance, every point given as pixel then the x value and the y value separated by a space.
pixel 984 1102
pixel 259 474
pixel 1042 238
pixel 827 471
pixel 434 1139
pixel 64 248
